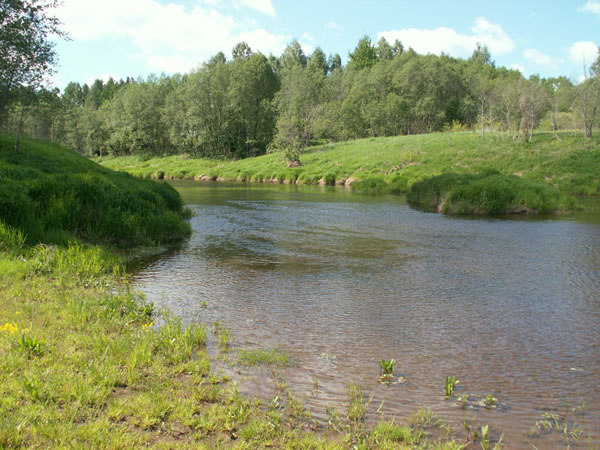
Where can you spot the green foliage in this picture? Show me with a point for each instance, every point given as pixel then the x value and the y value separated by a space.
pixel 364 55
pixel 241 107
pixel 50 194
pixel 178 343
pixel 26 45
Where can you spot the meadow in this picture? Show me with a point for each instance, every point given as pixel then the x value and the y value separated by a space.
pixel 571 165
pixel 537 176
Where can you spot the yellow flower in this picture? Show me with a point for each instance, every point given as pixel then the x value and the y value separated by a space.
pixel 147 326
pixel 9 328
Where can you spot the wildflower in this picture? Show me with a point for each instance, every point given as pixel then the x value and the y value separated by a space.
pixel 147 326
pixel 9 328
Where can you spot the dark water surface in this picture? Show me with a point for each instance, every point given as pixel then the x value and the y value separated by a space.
pixel 510 307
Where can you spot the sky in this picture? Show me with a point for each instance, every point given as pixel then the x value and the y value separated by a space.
pixel 122 38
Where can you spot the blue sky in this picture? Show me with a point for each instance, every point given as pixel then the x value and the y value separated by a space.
pixel 123 38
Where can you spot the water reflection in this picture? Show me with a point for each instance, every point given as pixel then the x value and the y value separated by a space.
pixel 510 307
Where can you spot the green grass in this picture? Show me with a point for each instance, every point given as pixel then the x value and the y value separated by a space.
pixel 487 193
pixel 85 362
pixel 50 194
pixel 257 357
pixel 396 163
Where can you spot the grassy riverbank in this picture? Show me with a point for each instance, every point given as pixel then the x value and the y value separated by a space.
pixel 489 193
pixel 572 165
pixel 85 362
pixel 53 195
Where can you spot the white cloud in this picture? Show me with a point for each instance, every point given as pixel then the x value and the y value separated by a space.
pixel 168 37
pixel 263 6
pixel 308 37
pixel 583 51
pixel 447 40
pixel 335 28
pixel 539 58
pixel 518 67
pixel 592 6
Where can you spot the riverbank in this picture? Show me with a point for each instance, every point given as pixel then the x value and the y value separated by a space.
pixel 87 362
pixel 55 196
pixel 572 165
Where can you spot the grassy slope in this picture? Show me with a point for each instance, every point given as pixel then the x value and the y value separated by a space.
pixel 572 165
pixel 52 194
pixel 82 364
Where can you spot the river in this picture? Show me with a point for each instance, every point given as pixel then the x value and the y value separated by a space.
pixel 510 307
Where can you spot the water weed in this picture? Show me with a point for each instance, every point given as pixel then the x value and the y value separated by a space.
pixel 489 401
pixel 386 370
pixel 449 386
pixel 357 404
pixel 272 357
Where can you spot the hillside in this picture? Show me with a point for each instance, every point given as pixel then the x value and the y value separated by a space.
pixel 572 164
pixel 51 194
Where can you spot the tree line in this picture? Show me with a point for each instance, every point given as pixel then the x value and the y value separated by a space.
pixel 250 104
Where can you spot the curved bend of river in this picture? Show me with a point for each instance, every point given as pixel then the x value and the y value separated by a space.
pixel 510 307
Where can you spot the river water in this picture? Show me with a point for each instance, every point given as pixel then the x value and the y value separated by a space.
pixel 511 307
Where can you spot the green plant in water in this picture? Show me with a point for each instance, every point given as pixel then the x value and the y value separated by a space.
pixel 334 420
pixel 358 405
pixel 463 401
pixel 272 357
pixel 485 440
pixel 489 401
pixel 451 383
pixel 223 338
pixel 386 368
pixel 553 422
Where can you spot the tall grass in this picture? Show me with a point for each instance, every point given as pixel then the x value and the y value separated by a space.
pixel 50 194
pixel 487 193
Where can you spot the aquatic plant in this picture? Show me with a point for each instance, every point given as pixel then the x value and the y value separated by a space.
pixel 386 370
pixel 557 423
pixel 449 386
pixel 463 401
pixel 223 338
pixel 485 441
pixel 357 404
pixel 273 357
pixel 488 402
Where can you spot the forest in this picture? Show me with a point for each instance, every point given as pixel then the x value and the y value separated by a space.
pixel 250 104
